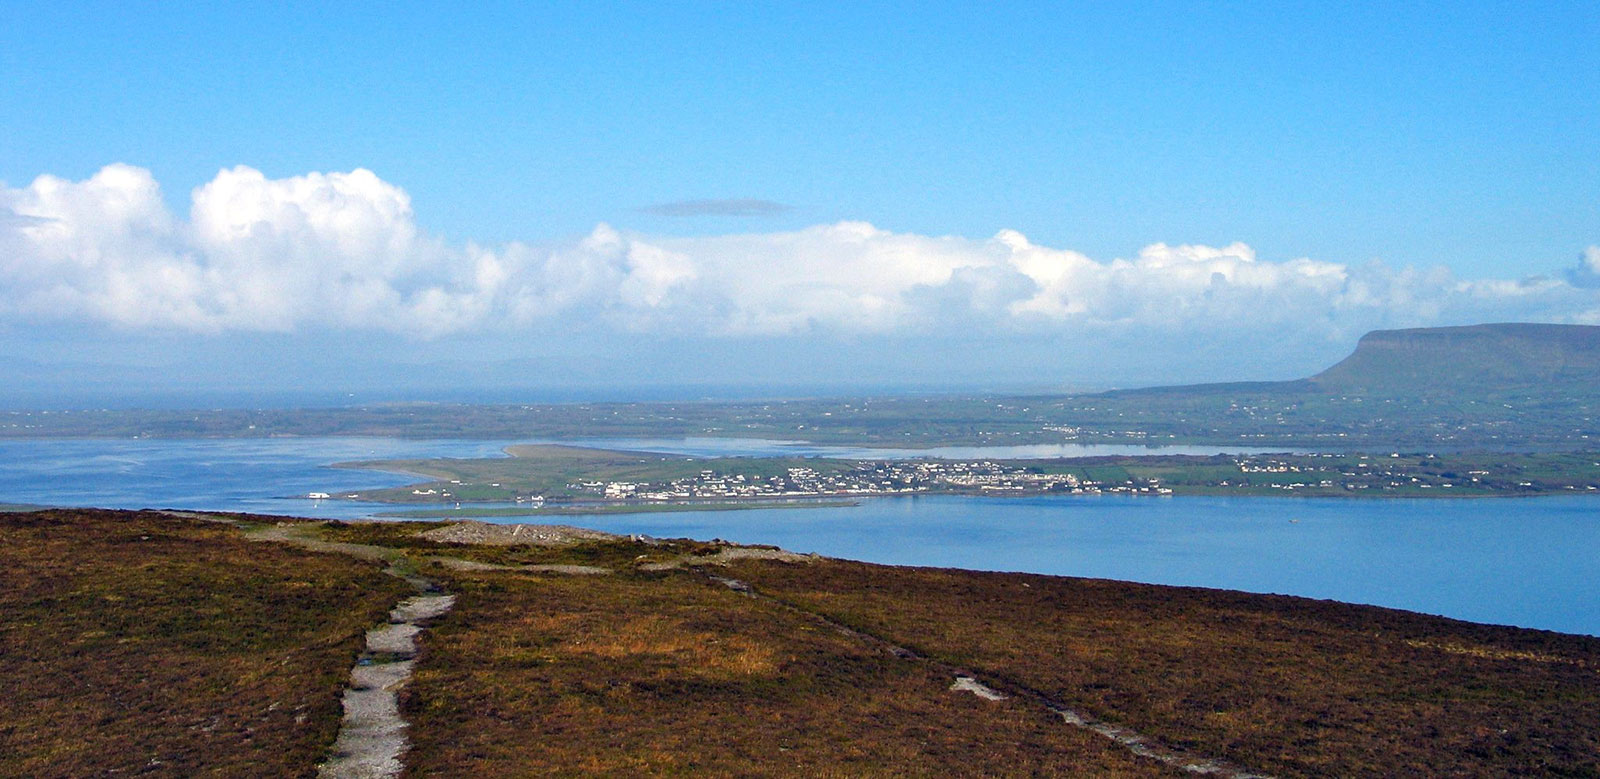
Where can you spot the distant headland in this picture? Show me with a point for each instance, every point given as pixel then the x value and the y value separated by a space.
pixel 1492 387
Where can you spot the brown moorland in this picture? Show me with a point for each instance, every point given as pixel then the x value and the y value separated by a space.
pixel 143 643
pixel 1284 685
pixel 672 673
pixel 1287 685
pixel 139 643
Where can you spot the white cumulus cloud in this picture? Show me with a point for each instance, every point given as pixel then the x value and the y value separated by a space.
pixel 343 251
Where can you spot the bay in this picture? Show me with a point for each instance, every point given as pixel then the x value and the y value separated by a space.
pixel 1531 562
pixel 260 475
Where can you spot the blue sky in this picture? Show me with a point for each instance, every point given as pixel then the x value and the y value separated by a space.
pixel 1453 137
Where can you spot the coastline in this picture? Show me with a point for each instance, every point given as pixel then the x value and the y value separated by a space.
pixel 467 512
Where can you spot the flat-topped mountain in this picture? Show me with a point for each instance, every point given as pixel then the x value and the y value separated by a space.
pixel 1510 386
pixel 1475 359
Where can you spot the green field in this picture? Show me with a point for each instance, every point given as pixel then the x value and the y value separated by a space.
pixel 559 474
pixel 1481 474
pixel 583 510
pixel 551 472
pixel 1293 415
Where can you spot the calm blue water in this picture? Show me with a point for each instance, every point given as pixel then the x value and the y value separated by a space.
pixel 1533 562
pixel 253 475
pixel 1528 562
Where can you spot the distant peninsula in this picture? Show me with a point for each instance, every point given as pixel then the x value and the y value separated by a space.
pixel 1467 363
pixel 547 480
pixel 1492 387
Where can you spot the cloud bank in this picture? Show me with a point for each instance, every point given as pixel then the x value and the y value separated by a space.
pixel 344 252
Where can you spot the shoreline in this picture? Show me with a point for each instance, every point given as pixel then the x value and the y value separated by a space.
pixel 466 511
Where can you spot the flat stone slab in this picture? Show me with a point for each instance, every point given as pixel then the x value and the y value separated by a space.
pixel 422 607
pixel 984 691
pixel 393 639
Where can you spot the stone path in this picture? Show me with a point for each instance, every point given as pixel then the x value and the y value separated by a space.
pixel 372 736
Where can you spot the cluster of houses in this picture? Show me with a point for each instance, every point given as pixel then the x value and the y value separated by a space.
pixel 1389 473
pixel 867 478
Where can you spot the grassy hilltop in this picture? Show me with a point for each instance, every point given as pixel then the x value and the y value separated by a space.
pixel 148 644
pixel 1463 364
pixel 1470 361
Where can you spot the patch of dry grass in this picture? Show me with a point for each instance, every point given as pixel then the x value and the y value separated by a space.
pixel 1287 685
pixel 673 674
pixel 143 644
